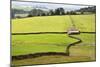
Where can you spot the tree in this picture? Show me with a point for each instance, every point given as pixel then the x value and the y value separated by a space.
pixel 12 14
pixel 59 11
pixel 51 12
pixel 43 14
pixel 82 12
pixel 68 13
pixel 29 15
pixel 33 12
pixel 36 12
pixel 62 11
pixel 72 13
pixel 91 9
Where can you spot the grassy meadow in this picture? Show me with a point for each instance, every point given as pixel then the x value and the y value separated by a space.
pixel 34 43
pixel 85 23
pixel 26 44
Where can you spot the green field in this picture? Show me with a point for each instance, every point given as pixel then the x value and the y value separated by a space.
pixel 36 43
pixel 51 60
pixel 26 44
pixel 85 23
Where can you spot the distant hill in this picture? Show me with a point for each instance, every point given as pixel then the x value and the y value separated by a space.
pixel 88 9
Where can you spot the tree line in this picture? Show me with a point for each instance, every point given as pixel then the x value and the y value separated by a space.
pixel 57 11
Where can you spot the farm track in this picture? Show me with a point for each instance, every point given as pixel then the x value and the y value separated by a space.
pixel 72 22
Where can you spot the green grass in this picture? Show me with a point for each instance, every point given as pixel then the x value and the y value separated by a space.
pixel 87 51
pixel 26 44
pixel 41 24
pixel 35 43
pixel 85 23
pixel 87 39
pixel 51 60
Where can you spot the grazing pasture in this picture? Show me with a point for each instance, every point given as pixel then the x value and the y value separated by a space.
pixel 26 44
pixel 36 43
pixel 85 23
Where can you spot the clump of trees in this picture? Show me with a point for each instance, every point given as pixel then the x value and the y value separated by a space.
pixel 59 11
pixel 39 12
pixel 88 9
pixel 71 13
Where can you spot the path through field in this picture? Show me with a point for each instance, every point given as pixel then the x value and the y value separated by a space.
pixel 49 35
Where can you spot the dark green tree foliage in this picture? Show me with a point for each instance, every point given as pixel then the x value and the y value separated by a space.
pixel 67 13
pixel 29 15
pixel 71 13
pixel 59 11
pixel 51 12
pixel 12 14
pixel 82 12
pixel 43 14
pixel 17 11
pixel 62 11
pixel 36 12
pixel 88 9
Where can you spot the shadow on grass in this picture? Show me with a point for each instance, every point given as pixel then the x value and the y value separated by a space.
pixel 20 57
